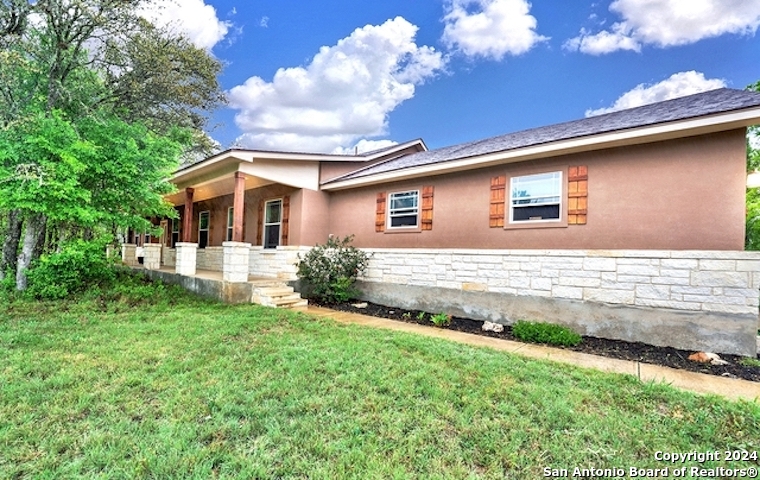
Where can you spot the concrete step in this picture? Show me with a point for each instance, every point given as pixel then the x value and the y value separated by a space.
pixel 280 291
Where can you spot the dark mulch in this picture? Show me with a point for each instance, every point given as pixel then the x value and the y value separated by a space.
pixel 666 356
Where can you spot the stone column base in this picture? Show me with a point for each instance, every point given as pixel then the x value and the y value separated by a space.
pixel 235 265
pixel 185 261
pixel 129 254
pixel 152 257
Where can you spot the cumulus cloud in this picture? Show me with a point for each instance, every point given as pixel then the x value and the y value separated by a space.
pixel 490 28
pixel 666 23
pixel 191 17
pixel 677 85
pixel 343 95
pixel 364 146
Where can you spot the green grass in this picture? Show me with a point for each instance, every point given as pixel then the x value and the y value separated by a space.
pixel 152 383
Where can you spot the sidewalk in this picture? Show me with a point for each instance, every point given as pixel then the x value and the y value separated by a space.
pixel 695 382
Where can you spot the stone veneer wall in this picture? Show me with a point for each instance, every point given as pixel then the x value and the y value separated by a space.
pixel 210 258
pixel 169 257
pixel 686 299
pixel 277 262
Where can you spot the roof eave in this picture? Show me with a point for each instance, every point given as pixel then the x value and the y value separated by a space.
pixel 646 134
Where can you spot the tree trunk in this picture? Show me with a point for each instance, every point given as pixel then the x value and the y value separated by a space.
pixel 10 245
pixel 35 227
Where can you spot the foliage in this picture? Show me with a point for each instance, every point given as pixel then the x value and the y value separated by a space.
pixel 538 332
pixel 752 225
pixel 77 267
pixel 200 389
pixel 750 362
pixel 328 272
pixel 441 320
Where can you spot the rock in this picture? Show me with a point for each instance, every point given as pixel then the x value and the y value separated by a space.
pixel 360 305
pixel 707 357
pixel 729 375
pixel 492 327
pixel 700 357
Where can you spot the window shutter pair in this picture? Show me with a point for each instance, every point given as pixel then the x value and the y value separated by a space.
pixel 426 210
pixel 577 192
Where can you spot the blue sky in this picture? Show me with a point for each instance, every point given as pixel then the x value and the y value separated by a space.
pixel 327 76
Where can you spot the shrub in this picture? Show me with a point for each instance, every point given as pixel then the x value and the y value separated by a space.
pixel 328 272
pixel 79 265
pixel 550 333
pixel 441 320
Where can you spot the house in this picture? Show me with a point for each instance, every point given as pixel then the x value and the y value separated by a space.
pixel 628 225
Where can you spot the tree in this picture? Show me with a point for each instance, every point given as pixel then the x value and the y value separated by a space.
pixel 96 106
pixel 752 225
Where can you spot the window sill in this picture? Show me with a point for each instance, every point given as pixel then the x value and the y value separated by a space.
pixel 403 230
pixel 536 224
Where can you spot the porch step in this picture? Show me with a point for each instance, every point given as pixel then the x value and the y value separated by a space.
pixel 278 295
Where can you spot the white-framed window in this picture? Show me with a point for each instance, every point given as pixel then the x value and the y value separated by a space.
pixel 272 223
pixel 230 223
pixel 203 228
pixel 536 198
pixel 404 209
pixel 175 231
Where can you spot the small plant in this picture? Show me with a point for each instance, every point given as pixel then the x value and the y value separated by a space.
pixel 328 272
pixel 421 316
pixel 549 333
pixel 750 362
pixel 406 315
pixel 441 320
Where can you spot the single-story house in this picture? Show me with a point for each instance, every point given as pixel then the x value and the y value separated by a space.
pixel 628 225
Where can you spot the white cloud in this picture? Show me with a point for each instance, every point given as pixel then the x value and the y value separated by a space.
pixel 490 28
pixel 264 22
pixel 666 23
pixel 343 95
pixel 677 85
pixel 191 17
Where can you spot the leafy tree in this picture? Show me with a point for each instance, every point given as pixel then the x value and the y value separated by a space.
pixel 752 234
pixel 96 107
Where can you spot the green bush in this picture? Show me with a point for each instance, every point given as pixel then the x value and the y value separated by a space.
pixel 550 333
pixel 78 266
pixel 328 272
pixel 441 320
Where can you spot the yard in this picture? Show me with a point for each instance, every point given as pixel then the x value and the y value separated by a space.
pixel 147 381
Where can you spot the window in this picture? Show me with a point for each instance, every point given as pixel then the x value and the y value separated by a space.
pixel 203 225
pixel 175 231
pixel 272 223
pixel 403 209
pixel 536 198
pixel 230 223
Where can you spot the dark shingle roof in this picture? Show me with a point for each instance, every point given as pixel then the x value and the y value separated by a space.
pixel 702 104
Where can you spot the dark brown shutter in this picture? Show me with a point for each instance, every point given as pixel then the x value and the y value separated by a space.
pixel 498 197
pixel 380 213
pixel 260 227
pixel 427 208
pixel 577 192
pixel 285 219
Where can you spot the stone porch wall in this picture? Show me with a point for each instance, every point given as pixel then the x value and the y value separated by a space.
pixel 210 258
pixel 277 262
pixel 168 257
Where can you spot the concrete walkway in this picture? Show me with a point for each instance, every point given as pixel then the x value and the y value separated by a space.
pixel 695 382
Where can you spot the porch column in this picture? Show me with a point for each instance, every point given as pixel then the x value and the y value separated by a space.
pixel 129 254
pixel 152 258
pixel 238 207
pixel 185 260
pixel 187 221
pixel 236 258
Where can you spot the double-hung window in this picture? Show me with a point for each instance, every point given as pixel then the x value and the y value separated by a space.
pixel 175 231
pixel 272 223
pixel 404 209
pixel 536 198
pixel 230 223
pixel 203 227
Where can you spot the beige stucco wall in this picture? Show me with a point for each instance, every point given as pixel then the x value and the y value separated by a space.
pixel 678 194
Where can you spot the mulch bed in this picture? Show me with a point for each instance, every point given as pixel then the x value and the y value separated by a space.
pixel 636 351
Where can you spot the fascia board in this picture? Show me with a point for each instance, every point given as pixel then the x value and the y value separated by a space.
pixel 653 133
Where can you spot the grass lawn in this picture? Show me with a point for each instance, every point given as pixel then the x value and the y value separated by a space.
pixel 151 382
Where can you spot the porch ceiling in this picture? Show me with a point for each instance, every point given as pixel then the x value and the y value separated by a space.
pixel 216 187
